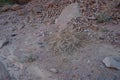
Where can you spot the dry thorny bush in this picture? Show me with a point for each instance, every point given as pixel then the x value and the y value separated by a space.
pixel 67 40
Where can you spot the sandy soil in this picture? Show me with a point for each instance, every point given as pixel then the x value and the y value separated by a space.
pixel 26 35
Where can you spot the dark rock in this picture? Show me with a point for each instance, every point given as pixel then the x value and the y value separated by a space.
pixel 3 42
pixel 6 8
pixel 13 34
pixel 20 1
pixel 37 9
pixel 4 75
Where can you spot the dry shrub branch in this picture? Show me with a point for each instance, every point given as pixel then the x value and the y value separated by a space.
pixel 67 40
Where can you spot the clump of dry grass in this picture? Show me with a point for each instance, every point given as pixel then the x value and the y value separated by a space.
pixel 67 40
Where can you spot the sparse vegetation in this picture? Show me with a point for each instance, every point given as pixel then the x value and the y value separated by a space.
pixel 104 30
pixel 27 58
pixel 66 41
pixel 2 2
pixel 103 17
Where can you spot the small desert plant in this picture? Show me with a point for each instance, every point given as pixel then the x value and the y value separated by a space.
pixel 2 2
pixel 26 58
pixel 104 29
pixel 67 40
pixel 102 17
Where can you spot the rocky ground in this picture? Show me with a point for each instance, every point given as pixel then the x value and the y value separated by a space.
pixel 85 44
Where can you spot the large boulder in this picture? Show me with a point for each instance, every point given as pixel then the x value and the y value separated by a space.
pixel 70 12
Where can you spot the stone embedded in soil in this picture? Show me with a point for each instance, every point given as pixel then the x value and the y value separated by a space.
pixel 37 9
pixel 15 7
pixel 3 42
pixel 5 8
pixel 70 12
pixel 53 70
pixel 13 34
pixel 111 63
pixel 4 75
pixel 20 13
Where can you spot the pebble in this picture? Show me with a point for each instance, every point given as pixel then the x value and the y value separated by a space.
pixel 15 7
pixel 38 9
pixel 53 70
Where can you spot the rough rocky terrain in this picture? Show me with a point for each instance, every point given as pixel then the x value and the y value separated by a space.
pixel 26 30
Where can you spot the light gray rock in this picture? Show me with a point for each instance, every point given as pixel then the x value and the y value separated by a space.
pixel 4 75
pixel 53 70
pixel 111 62
pixel 70 12
pixel 36 71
